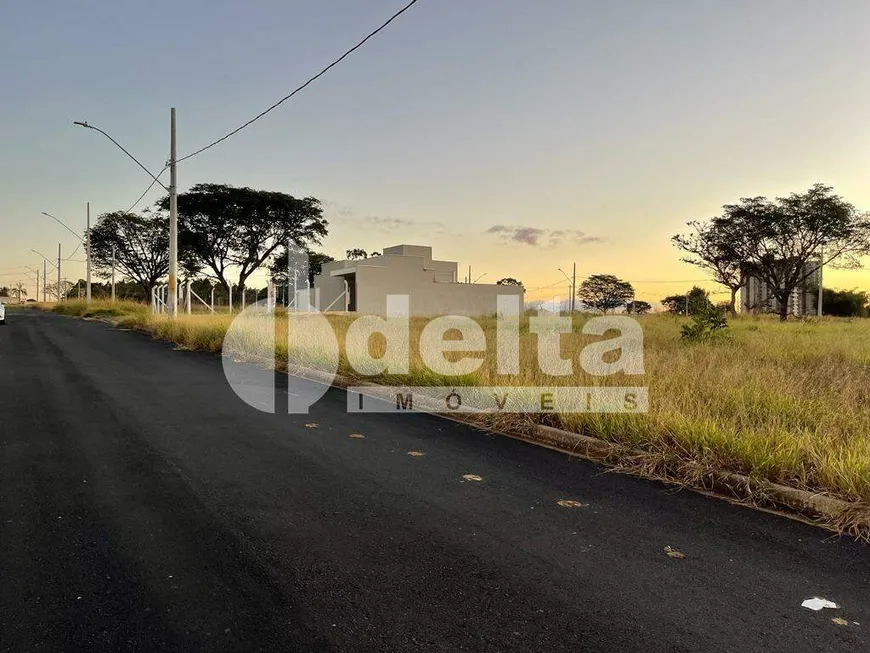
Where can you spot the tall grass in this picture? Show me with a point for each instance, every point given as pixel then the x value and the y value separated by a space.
pixel 783 402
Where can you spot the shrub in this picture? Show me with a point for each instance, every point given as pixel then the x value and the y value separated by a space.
pixel 707 325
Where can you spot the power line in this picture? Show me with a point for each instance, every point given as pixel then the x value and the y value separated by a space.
pixel 120 147
pixel 673 281
pixel 159 174
pixel 303 86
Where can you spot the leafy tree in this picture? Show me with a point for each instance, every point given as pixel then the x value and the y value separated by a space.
pixel 222 227
pixel 845 303
pixel 699 302
pixel 711 247
pixel 509 281
pixel 18 291
pixel 605 292
pixel 65 287
pixel 638 307
pixel 706 326
pixel 4 291
pixel 316 260
pixel 780 241
pixel 140 244
pixel 356 254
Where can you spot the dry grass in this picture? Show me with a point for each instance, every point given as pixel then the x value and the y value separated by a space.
pixel 788 403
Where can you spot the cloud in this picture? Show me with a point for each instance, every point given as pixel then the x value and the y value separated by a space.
pixel 387 224
pixel 541 237
pixel 527 235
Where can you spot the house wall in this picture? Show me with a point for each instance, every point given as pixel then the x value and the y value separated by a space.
pixel 426 295
pixel 410 270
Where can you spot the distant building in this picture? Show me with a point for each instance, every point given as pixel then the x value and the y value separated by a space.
pixel 432 287
pixel 756 296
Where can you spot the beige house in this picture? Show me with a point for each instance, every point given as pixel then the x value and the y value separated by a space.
pixel 431 286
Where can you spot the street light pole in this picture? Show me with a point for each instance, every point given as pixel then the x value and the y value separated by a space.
pixel 573 287
pixel 819 302
pixel 58 273
pixel 44 278
pixel 172 286
pixel 173 221
pixel 88 248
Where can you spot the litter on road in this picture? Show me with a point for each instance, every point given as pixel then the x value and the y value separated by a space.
pixel 817 604
pixel 673 553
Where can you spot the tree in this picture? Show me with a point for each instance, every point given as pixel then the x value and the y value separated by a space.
pixel 509 281
pixel 357 254
pixel 4 291
pixel 845 303
pixel 638 307
pixel 699 302
pixel 711 247
pixel 140 244
pixel 18 291
pixel 316 260
pixel 65 287
pixel 604 292
pixel 782 241
pixel 222 227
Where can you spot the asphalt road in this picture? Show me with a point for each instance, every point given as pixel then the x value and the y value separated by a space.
pixel 145 508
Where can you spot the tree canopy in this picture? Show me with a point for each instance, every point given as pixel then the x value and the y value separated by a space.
pixel 698 298
pixel 638 307
pixel 509 281
pixel 315 261
pixel 222 226
pixel 140 244
pixel 717 249
pixel 605 292
pixel 781 241
pixel 845 303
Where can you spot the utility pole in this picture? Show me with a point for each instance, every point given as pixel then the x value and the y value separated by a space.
pixel 289 268
pixel 44 277
pixel 88 248
pixel 573 287
pixel 113 271
pixel 821 261
pixel 58 274
pixel 173 221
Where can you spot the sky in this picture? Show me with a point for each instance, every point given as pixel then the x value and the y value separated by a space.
pixel 514 136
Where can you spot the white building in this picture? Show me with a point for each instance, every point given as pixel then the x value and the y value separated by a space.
pixel 756 296
pixel 432 286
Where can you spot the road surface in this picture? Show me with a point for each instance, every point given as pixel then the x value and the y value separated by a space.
pixel 146 508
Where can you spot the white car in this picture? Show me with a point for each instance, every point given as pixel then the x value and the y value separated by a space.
pixel 2 313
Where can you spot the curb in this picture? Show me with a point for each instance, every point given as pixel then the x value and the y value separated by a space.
pixel 818 508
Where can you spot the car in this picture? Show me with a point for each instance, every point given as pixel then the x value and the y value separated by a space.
pixel 2 313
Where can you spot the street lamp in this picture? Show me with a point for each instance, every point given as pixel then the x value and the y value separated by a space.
pixel 87 240
pixel 54 266
pixel 172 189
pixel 573 281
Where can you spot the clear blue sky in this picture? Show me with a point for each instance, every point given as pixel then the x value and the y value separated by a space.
pixel 620 120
